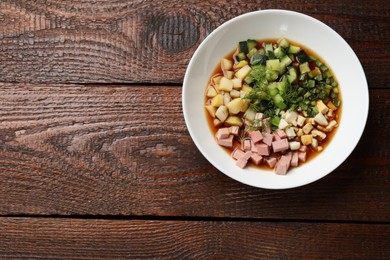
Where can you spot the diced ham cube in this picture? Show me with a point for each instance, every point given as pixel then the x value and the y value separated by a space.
pixel 281 145
pixel 262 149
pixel 271 161
pixel 268 139
pixel 223 133
pixel 237 153
pixel 281 133
pixel 303 148
pixel 247 155
pixel 253 148
pixel 302 156
pixel 256 136
pixel 281 168
pixel 241 162
pixel 227 142
pixel 287 157
pixel 283 164
pixel 294 159
pixel 256 158
pixel 247 144
pixel 234 130
pixel 277 137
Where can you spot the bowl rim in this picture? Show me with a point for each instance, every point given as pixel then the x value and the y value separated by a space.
pixel 256 13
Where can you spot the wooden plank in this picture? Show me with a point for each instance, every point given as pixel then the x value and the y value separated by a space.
pixel 139 42
pixel 90 239
pixel 116 150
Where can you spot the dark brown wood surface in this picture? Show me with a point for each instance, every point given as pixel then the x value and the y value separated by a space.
pixel 108 150
pixel 134 239
pixel 96 160
pixel 153 41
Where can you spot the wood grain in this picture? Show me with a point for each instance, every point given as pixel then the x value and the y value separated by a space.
pixel 117 150
pixel 152 41
pixel 85 238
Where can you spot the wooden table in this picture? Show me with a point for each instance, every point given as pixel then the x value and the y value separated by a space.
pixel 96 160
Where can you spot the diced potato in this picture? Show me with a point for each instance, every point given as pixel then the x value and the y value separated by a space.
pixel 217 122
pixel 307 128
pixel 217 101
pixel 330 115
pixel 323 129
pixel 226 98
pixel 222 113
pixel 240 64
pixel 322 108
pixel 290 116
pixel 321 120
pixel 290 132
pixel 229 74
pixel 314 143
pixel 331 106
pixel 282 124
pixel 306 139
pixel 237 83
pixel 226 64
pixel 225 84
pixel 300 121
pixel 235 106
pixel 295 145
pixel 321 135
pixel 243 72
pixel 235 93
pixel 245 105
pixel 234 120
pixel 246 88
pixel 250 114
pixel 299 133
pixel 211 110
pixel 217 79
pixel 319 148
pixel 332 125
pixel 211 92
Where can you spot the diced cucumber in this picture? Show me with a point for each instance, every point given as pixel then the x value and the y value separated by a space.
pixel 279 101
pixel 261 51
pixel 293 49
pixel 327 74
pixel 258 59
pixel 251 53
pixel 273 92
pixel 251 44
pixel 243 47
pixel 273 65
pixel 271 55
pixel 283 43
pixel 285 60
pixel 311 83
pixel 302 57
pixel 292 75
pixel 304 68
pixel 240 56
pixel 318 77
pixel 268 47
pixel 279 52
pixel 323 67
pixel 271 75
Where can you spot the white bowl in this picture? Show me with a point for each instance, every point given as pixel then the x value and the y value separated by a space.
pixel 309 32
